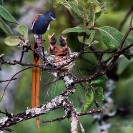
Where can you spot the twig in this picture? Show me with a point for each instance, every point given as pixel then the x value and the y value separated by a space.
pixel 11 80
pixel 29 64
pixel 93 111
pixel 15 62
pixel 125 18
pixel 57 119
pixel 22 54
pixel 1 55
pixel 7 80
pixel 81 126
pixel 6 129
pixel 96 103
pixel 126 34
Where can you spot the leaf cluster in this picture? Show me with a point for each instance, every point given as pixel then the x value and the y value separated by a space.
pixel 88 11
pixel 12 40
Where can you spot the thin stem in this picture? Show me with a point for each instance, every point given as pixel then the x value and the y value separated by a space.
pixel 125 18
pixel 11 80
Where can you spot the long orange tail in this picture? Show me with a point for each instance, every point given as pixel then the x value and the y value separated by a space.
pixel 36 84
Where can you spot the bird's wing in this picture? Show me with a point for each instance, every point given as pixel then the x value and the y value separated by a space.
pixel 34 20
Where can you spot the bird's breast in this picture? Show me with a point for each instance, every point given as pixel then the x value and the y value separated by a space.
pixel 40 26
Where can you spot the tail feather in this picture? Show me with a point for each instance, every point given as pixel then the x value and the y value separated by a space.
pixel 35 86
pixel 37 122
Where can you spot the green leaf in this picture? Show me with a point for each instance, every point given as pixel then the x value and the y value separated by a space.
pixel 76 16
pixel 75 29
pixel 97 15
pixel 111 37
pixel 81 38
pixel 6 15
pixel 99 93
pixel 23 30
pixel 76 8
pixel 87 31
pixel 5 27
pixel 89 98
pixel 91 37
pixel 12 41
pixel 99 80
pixel 26 38
pixel 59 1
pixel 102 5
pixel 104 10
pixel 54 3
pixel 88 39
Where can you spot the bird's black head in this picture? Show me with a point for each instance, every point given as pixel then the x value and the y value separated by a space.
pixel 50 15
pixel 52 39
pixel 62 41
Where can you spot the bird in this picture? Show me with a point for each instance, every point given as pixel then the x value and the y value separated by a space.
pixel 41 23
pixel 53 49
pixel 56 50
pixel 60 55
pixel 52 41
pixel 63 44
pixel 39 26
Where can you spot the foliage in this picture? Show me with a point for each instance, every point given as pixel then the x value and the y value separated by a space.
pixel 6 16
pixel 89 12
pixel 89 99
